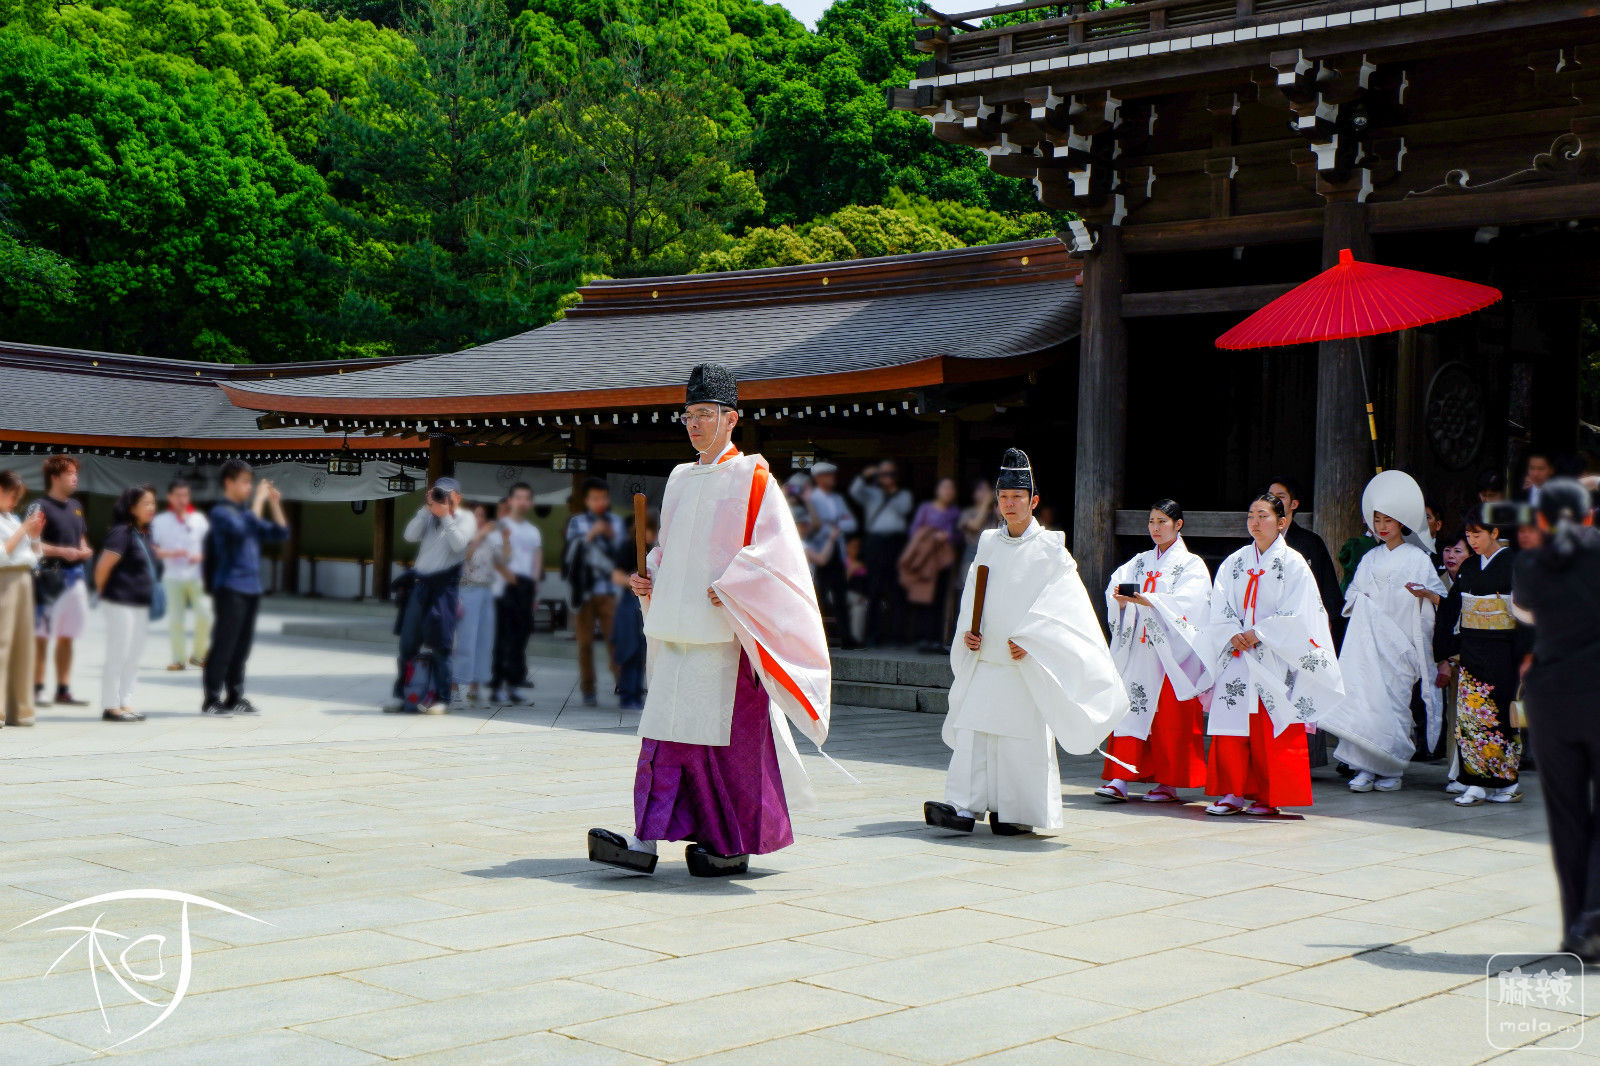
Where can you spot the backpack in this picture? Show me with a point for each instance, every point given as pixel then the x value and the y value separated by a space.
pixel 211 553
pixel 418 689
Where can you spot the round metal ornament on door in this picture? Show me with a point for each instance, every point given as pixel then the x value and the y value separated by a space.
pixel 1455 416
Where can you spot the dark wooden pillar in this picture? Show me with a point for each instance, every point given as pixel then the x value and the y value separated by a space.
pixel 1344 446
pixel 580 449
pixel 950 448
pixel 382 545
pixel 439 463
pixel 292 510
pixel 1410 388
pixel 1102 410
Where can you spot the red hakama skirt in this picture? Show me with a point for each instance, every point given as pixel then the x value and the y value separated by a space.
pixel 1174 754
pixel 1274 770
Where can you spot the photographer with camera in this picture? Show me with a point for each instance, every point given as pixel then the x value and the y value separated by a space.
pixel 441 529
pixel 1557 590
pixel 249 514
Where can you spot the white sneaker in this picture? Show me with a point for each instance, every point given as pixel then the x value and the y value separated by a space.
pixel 436 708
pixel 1363 782
pixel 1471 797
pixel 1455 788
pixel 1387 784
pixel 1509 794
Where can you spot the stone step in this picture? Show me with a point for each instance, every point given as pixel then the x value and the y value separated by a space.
pixel 893 668
pixel 374 631
pixel 891 697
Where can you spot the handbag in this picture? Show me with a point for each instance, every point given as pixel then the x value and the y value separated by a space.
pixel 1518 711
pixel 48 583
pixel 158 591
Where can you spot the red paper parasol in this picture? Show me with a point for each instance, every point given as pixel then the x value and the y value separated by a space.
pixel 1357 299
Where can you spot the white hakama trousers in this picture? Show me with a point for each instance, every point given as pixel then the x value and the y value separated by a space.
pixel 1015 777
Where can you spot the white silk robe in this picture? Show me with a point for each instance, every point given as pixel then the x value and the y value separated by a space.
pixel 1006 715
pixel 1388 648
pixel 1292 672
pixel 1150 645
pixel 769 612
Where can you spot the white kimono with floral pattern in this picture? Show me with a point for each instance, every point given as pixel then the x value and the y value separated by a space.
pixel 1154 644
pixel 1292 672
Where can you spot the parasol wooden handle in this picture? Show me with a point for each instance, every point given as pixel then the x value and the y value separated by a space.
pixel 641 515
pixel 979 588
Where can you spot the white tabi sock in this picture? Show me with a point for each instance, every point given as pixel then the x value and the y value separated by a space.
pixel 635 844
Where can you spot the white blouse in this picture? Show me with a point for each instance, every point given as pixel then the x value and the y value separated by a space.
pixel 24 557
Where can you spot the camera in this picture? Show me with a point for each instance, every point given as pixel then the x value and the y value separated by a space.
pixel 438 495
pixel 1506 514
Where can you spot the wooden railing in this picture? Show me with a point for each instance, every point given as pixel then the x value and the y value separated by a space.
pixel 961 41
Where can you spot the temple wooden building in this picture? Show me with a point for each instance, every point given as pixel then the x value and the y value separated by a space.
pixel 1217 152
pixel 937 359
pixel 164 410
pixel 132 419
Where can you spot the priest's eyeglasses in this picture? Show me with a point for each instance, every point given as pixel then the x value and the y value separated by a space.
pixel 700 418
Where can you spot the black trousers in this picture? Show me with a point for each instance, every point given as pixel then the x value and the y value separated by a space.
pixel 513 624
pixel 1566 739
pixel 233 631
pixel 885 598
pixel 834 595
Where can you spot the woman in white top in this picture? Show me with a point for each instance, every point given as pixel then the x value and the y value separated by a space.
pixel 487 556
pixel 1156 603
pixel 18 557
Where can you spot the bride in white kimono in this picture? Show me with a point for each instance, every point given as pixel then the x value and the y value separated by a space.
pixel 1037 673
pixel 1156 603
pixel 1388 646
pixel 1268 648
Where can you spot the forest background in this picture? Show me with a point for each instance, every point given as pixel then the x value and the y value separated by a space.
pixel 274 180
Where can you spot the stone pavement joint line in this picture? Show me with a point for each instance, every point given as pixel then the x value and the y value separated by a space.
pixel 424 898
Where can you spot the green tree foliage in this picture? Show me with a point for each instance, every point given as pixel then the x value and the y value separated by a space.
pixel 390 13
pixel 270 179
pixel 644 171
pixel 442 193
pixel 828 138
pixel 293 63
pixel 974 225
pixel 30 277
pixel 850 233
pixel 192 228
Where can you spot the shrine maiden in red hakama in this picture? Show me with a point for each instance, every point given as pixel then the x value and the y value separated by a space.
pixel 1268 649
pixel 1153 636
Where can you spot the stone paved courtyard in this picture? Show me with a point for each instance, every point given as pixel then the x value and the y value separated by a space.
pixel 429 901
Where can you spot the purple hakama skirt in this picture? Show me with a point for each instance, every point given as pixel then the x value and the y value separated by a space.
pixel 729 799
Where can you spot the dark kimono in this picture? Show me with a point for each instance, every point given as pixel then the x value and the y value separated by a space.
pixel 1475 622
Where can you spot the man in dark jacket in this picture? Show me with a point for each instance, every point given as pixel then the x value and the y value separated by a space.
pixel 249 514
